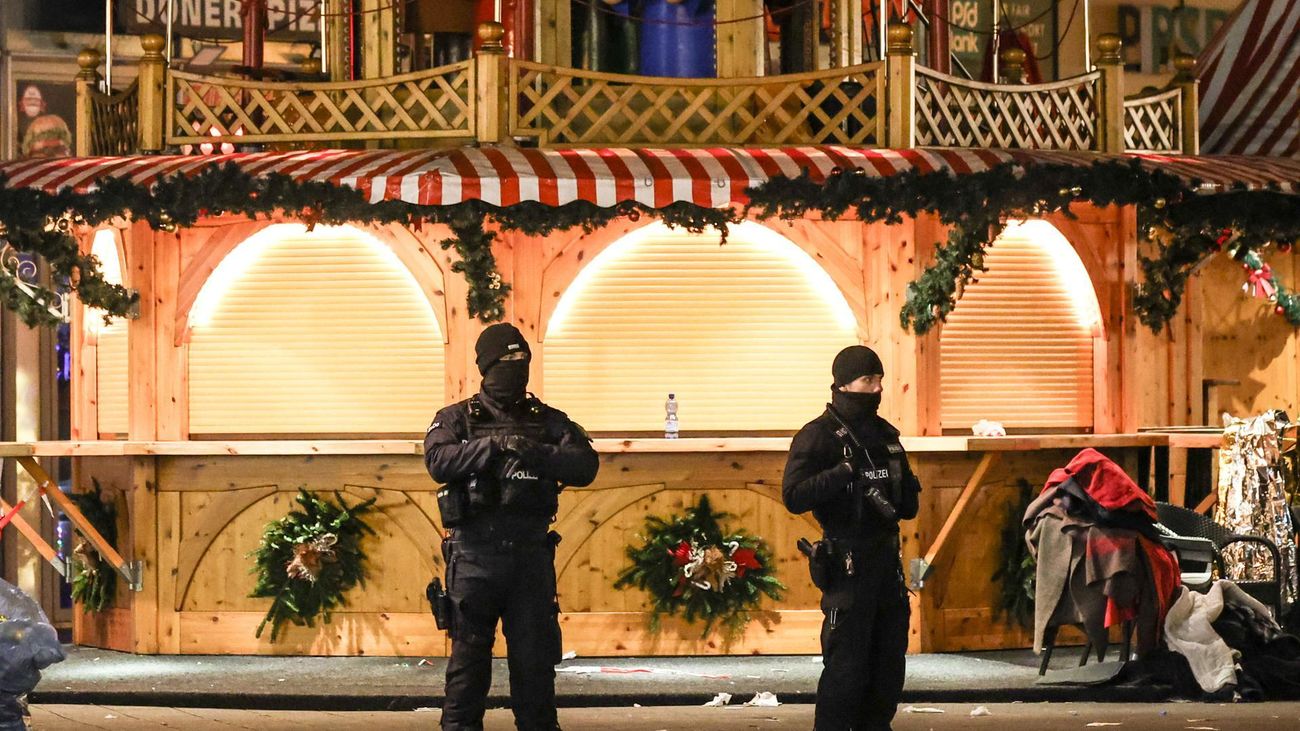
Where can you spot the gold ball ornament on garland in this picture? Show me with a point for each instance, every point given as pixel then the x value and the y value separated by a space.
pixel 309 559
pixel 692 569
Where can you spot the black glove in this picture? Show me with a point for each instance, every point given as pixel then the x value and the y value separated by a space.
pixel 522 448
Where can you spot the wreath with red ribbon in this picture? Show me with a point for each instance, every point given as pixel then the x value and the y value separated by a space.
pixel 692 569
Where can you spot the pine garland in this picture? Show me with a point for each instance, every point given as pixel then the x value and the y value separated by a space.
pixel 309 559
pixel 692 569
pixel 94 583
pixel 43 224
pixel 1018 573
pixel 976 207
pixel 1183 223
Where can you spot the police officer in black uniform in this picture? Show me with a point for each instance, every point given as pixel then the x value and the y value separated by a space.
pixel 848 467
pixel 502 457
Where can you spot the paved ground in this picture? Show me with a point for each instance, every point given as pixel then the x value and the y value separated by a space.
pixel 404 684
pixel 1002 717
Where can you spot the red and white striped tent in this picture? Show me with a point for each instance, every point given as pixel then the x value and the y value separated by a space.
pixel 1250 82
pixel 712 177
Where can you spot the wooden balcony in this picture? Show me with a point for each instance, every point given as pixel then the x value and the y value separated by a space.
pixel 494 99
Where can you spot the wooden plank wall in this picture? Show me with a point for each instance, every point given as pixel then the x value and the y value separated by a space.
pixel 212 511
pixel 199 518
pixel 1244 340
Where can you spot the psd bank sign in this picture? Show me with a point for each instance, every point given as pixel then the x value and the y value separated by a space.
pixel 1152 34
pixel 287 20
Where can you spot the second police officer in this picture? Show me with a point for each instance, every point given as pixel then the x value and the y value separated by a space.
pixel 502 457
pixel 848 467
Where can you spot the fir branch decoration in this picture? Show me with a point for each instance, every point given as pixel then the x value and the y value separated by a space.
pixel 310 559
pixel 1018 573
pixel 95 582
pixel 692 569
pixel 1183 221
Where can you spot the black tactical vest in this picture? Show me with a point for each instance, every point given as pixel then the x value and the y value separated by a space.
pixel 522 491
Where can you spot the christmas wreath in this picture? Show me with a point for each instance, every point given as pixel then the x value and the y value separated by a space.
pixel 94 583
pixel 1019 570
pixel 692 569
pixel 309 559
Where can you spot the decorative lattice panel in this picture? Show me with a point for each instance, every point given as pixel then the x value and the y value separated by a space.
pixel 570 107
pixel 953 112
pixel 426 104
pixel 115 121
pixel 1153 123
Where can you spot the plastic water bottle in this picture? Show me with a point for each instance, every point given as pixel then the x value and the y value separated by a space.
pixel 670 417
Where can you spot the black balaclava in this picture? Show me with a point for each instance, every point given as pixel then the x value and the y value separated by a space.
pixel 504 382
pixel 851 364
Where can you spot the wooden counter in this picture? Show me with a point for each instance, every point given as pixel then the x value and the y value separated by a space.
pixel 639 445
pixel 192 512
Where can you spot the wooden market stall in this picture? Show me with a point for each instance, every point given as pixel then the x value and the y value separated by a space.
pixel 275 353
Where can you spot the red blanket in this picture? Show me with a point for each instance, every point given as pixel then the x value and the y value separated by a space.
pixel 1105 482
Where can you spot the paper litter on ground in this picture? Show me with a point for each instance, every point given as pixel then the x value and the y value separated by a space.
pixel 921 709
pixel 720 699
pixel 981 711
pixel 763 698
pixel 608 670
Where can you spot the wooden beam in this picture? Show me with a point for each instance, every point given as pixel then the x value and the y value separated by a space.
pixel 47 487
pixel 34 537
pixel 973 485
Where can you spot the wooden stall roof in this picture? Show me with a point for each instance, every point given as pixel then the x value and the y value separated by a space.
pixel 916 445
pixel 711 177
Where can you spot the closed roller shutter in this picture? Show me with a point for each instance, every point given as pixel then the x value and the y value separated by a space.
pixel 110 349
pixel 1018 348
pixel 743 334
pixel 320 332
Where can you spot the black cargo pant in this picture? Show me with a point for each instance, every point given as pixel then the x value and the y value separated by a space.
pixel 864 643
pixel 513 582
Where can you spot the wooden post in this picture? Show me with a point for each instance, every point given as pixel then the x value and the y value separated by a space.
pixel 846 33
pixel 554 32
pixel 152 96
pixel 900 61
pixel 491 118
pixel 1110 94
pixel 87 81
pixel 1013 64
pixel 378 34
pixel 1191 121
pixel 740 45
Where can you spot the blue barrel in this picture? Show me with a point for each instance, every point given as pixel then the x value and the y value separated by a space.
pixel 677 39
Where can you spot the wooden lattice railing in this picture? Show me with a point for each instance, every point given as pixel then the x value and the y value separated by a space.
pixel 114 121
pixel 437 103
pixel 1153 123
pixel 953 112
pixel 563 106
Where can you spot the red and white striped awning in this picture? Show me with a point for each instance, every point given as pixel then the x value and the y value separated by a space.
pixel 1250 82
pixel 713 177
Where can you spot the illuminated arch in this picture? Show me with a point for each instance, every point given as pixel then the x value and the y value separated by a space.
pixel 1019 348
pixel 110 342
pixel 742 333
pixel 298 332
